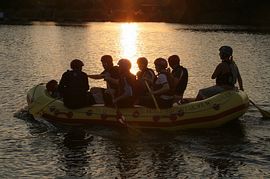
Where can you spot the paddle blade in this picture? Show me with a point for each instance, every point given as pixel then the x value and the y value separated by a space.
pixel 264 113
pixel 121 118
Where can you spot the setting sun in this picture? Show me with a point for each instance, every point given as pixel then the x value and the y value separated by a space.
pixel 128 42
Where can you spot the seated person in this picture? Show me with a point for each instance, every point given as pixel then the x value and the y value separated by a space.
pixel 111 76
pixel 162 88
pixel 226 75
pixel 145 74
pixel 126 94
pixel 180 75
pixel 52 88
pixel 74 87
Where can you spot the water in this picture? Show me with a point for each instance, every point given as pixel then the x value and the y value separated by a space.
pixel 34 148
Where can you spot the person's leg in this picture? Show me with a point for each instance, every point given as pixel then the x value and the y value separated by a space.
pixel 146 101
pixel 97 94
pixel 108 99
pixel 199 96
pixel 91 99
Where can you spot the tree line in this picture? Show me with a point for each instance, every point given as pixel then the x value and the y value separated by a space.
pixel 182 11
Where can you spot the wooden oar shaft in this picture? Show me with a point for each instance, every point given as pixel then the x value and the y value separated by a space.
pixel 264 113
pixel 153 97
pixel 35 111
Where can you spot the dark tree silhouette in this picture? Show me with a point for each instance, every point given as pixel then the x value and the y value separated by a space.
pixel 183 11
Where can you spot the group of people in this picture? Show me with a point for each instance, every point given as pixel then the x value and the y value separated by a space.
pixel 146 88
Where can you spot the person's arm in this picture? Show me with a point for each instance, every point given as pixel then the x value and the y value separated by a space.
pixel 85 82
pixel 162 80
pixel 178 77
pixel 217 71
pixel 240 82
pixel 164 89
pixel 63 83
pixel 182 83
pixel 239 79
pixel 96 76
pixel 111 80
pixel 148 76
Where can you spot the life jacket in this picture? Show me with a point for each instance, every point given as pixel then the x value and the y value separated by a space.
pixel 181 73
pixel 74 86
pixel 141 87
pixel 141 74
pixel 129 101
pixel 114 73
pixel 228 78
pixel 170 82
pixel 131 80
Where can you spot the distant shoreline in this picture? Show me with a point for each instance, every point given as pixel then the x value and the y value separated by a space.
pixel 229 27
pixel 230 12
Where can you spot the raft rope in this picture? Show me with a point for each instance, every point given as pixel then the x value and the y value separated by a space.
pixel 131 114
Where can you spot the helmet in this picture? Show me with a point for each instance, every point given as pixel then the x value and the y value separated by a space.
pixel 142 60
pixel 226 50
pixel 76 64
pixel 161 62
pixel 174 59
pixel 107 59
pixel 124 63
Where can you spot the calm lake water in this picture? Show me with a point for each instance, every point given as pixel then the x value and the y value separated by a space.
pixel 35 149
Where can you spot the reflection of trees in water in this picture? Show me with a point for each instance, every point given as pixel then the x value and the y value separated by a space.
pixel 73 153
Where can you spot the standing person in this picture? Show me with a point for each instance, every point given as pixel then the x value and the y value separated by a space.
pixel 145 74
pixel 226 75
pixel 126 94
pixel 74 87
pixel 180 75
pixel 111 75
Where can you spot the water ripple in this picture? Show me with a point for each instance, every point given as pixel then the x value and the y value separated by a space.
pixel 34 148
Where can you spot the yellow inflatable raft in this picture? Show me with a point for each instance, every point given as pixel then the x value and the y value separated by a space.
pixel 209 113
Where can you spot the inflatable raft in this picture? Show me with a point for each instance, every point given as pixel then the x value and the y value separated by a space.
pixel 209 113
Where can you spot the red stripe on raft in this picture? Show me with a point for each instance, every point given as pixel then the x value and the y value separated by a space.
pixel 147 123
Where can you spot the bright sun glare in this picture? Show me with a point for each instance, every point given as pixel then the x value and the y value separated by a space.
pixel 128 41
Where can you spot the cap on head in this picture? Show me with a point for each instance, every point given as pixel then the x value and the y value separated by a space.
pixel 76 64
pixel 142 60
pixel 107 59
pixel 125 63
pixel 174 60
pixel 161 62
pixel 226 50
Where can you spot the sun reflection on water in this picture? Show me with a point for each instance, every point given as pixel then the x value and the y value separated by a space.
pixel 128 43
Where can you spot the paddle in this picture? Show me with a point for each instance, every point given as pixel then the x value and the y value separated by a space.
pixel 34 109
pixel 265 114
pixel 153 97
pixel 121 119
